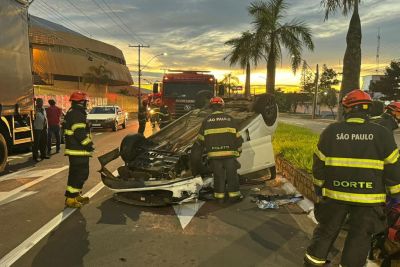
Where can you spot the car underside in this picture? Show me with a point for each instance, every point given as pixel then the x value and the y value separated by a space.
pixel 171 167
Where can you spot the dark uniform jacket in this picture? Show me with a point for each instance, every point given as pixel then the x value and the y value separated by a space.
pixel 77 138
pixel 356 162
pixel 142 115
pixel 219 133
pixel 387 121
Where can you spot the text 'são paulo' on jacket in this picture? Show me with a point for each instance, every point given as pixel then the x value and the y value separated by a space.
pixel 357 162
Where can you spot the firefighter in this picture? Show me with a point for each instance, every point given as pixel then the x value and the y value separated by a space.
pixel 390 118
pixel 222 141
pixel 355 166
pixel 165 116
pixel 78 148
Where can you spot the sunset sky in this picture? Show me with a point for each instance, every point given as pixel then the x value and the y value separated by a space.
pixel 193 32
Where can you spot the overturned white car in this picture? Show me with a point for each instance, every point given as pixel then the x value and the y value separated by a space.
pixel 170 167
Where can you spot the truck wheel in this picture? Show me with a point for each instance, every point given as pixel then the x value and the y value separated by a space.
pixel 115 126
pixel 3 153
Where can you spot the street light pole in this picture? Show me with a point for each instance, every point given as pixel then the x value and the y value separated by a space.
pixel 139 46
pixel 315 92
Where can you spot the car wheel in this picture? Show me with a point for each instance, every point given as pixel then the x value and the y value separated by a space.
pixel 115 126
pixel 124 124
pixel 266 106
pixel 131 147
pixel 3 153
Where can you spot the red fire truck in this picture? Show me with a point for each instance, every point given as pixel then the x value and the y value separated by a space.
pixel 180 90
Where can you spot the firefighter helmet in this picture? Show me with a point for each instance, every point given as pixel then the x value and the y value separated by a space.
pixel 79 96
pixel 217 101
pixel 393 106
pixel 355 98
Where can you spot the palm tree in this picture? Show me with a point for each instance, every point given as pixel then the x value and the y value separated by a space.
pixel 272 33
pixel 228 81
pixel 243 52
pixel 97 76
pixel 352 56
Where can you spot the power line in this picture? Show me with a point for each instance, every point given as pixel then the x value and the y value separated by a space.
pixel 123 23
pixel 108 15
pixel 54 34
pixel 88 17
pixel 47 7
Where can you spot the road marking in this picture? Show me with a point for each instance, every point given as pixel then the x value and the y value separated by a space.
pixel 16 196
pixel 98 133
pixel 48 174
pixel 185 212
pixel 24 174
pixel 29 243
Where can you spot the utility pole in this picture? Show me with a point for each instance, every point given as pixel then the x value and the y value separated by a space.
pixel 139 46
pixel 315 92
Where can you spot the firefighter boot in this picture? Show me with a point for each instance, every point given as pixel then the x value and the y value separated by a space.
pixel 72 202
pixel 82 199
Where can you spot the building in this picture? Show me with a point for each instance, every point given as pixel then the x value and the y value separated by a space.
pixel 64 61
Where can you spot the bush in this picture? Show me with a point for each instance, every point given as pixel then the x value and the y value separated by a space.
pixel 295 144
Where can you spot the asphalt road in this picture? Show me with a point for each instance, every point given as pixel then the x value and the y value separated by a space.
pixel 318 125
pixel 37 231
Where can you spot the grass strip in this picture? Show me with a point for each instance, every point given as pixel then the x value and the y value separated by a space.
pixel 295 144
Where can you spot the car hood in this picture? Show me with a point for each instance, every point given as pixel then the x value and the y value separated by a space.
pixel 100 116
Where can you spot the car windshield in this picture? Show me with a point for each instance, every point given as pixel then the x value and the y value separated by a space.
pixel 185 90
pixel 103 110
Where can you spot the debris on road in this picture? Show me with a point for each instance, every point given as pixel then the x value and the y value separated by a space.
pixel 275 201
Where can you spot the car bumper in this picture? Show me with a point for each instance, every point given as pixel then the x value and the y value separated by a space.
pixel 101 124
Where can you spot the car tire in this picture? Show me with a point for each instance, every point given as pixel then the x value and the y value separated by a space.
pixel 266 106
pixel 115 126
pixel 124 124
pixel 3 153
pixel 131 147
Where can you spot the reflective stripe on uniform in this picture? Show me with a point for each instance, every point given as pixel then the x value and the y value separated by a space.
pixel 219 131
pixel 320 155
pixel 73 189
pixel 238 134
pixel 234 194
pixel 77 126
pixel 219 195
pixel 314 260
pixel 392 158
pixel 393 189
pixel 77 152
pixel 68 132
pixel 86 141
pixel 200 137
pixel 222 154
pixel 356 120
pixel 318 182
pixel 217 112
pixel 355 198
pixel 354 162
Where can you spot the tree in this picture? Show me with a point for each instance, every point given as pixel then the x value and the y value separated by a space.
pixel 97 76
pixel 307 82
pixel 243 52
pixel 228 81
pixel 352 56
pixel 389 84
pixel 326 92
pixel 272 33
